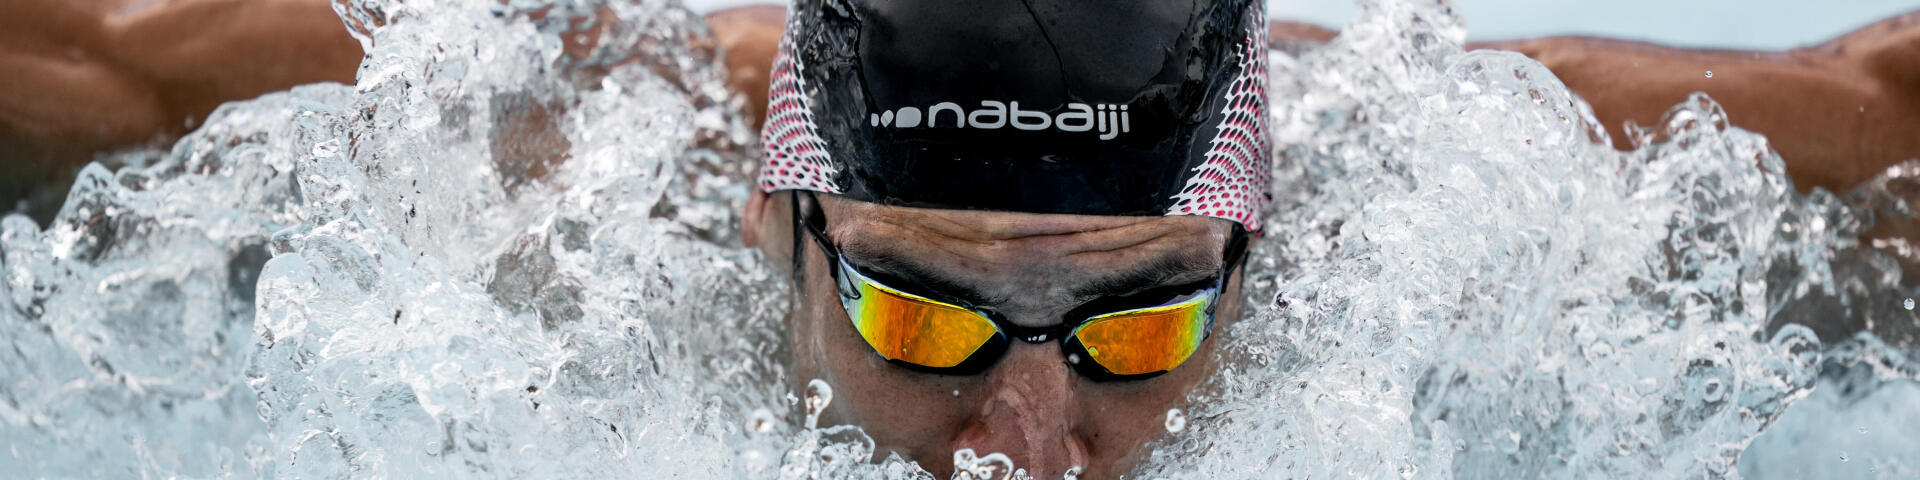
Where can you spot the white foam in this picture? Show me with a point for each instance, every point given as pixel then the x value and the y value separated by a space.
pixel 1458 281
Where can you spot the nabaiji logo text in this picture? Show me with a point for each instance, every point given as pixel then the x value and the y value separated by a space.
pixel 1108 120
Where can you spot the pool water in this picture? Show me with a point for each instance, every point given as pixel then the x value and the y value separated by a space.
pixel 396 279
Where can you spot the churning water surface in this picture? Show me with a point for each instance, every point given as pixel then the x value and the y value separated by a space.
pixel 392 279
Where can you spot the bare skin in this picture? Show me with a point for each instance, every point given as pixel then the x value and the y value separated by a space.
pixel 1838 113
pixel 91 75
pixel 99 75
pixel 85 76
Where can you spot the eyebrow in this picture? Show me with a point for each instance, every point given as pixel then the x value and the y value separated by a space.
pixel 1144 277
pixel 925 280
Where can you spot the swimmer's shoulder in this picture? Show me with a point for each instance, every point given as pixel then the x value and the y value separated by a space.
pixel 91 75
pixel 748 37
pixel 1838 112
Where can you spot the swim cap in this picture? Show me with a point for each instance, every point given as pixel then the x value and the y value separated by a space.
pixel 1096 107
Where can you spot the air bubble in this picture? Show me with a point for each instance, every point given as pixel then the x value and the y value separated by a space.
pixel 819 395
pixel 326 149
pixel 762 421
pixel 1408 240
pixel 1176 421
pixel 969 465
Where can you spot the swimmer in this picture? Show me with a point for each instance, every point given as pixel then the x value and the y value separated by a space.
pixel 1009 238
pixel 1003 237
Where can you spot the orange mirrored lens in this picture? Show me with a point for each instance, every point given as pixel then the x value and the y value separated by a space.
pixel 1146 340
pixel 909 328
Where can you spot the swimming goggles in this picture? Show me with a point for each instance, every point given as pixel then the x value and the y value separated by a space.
pixel 925 332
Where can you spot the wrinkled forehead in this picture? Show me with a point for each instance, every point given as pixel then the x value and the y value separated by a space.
pixel 855 224
pixel 1040 263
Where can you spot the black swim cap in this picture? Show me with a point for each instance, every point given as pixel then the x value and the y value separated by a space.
pixel 1100 107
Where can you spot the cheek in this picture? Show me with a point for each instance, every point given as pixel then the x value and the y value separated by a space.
pixel 1230 303
pixel 1122 418
pixel 901 410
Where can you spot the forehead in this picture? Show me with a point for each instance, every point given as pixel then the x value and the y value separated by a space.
pixel 1038 265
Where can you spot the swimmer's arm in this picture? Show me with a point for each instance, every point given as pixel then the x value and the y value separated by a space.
pixel 748 38
pixel 86 76
pixel 1838 113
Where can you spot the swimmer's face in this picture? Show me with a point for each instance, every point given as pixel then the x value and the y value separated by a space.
pixel 1030 405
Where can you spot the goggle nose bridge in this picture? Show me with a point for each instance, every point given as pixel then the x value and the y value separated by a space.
pixel 1034 335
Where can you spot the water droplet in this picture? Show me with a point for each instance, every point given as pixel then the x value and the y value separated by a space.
pixel 964 457
pixel 1073 473
pixel 1843 456
pixel 1176 421
pixel 819 395
pixel 1908 304
pixel 1509 442
pixel 968 465
pixel 1863 430
pixel 1709 73
pixel 1713 392
pixel 956 393
pixel 762 421
pixel 1074 358
pixel 327 148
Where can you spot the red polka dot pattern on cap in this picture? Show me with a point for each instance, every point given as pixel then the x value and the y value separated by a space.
pixel 1232 183
pixel 796 157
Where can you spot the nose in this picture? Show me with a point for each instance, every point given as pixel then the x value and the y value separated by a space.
pixel 1028 414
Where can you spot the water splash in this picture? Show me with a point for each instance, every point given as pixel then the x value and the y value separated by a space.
pixel 968 465
pixel 1176 420
pixel 508 251
pixel 475 254
pixel 1472 275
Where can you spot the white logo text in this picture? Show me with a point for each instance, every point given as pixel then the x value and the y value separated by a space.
pixel 1105 119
